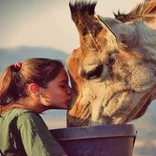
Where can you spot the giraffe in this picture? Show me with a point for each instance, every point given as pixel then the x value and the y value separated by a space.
pixel 113 72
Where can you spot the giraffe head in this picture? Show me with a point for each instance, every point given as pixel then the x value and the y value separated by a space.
pixel 113 72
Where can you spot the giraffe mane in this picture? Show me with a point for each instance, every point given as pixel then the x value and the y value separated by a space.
pixel 144 11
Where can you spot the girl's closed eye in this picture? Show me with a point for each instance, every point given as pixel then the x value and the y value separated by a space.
pixel 64 85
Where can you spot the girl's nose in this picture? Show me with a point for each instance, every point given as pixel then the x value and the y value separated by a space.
pixel 69 90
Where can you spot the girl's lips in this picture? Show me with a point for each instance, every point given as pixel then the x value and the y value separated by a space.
pixel 69 101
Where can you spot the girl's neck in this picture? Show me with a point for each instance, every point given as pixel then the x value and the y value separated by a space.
pixel 31 104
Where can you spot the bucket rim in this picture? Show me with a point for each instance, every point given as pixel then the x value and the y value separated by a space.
pixel 88 132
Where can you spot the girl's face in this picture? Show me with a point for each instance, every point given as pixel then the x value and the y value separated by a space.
pixel 58 93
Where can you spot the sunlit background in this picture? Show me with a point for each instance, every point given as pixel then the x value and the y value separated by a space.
pixel 43 28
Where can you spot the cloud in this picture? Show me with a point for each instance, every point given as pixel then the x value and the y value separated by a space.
pixel 46 23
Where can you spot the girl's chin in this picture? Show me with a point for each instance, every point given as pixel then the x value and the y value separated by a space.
pixel 63 107
pixel 66 107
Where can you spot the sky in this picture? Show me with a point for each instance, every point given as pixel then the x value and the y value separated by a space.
pixel 47 23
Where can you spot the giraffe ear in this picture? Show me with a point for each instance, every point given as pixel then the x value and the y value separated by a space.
pixel 34 88
pixel 121 31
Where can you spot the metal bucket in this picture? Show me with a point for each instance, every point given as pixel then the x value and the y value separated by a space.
pixel 105 140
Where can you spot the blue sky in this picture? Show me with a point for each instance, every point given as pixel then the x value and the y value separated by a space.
pixel 47 22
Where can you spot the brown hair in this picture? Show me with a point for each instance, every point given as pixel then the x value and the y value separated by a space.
pixel 14 79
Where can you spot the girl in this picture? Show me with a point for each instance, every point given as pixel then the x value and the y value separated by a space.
pixel 27 89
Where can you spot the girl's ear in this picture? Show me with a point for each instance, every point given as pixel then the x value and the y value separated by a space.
pixel 34 88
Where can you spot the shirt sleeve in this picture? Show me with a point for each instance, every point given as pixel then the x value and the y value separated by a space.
pixel 37 139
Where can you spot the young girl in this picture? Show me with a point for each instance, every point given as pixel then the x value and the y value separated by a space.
pixel 27 89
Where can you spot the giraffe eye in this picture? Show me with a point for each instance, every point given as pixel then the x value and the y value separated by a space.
pixel 95 73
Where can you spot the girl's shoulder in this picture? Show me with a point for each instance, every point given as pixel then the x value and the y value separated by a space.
pixel 20 114
pixel 16 117
pixel 17 112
